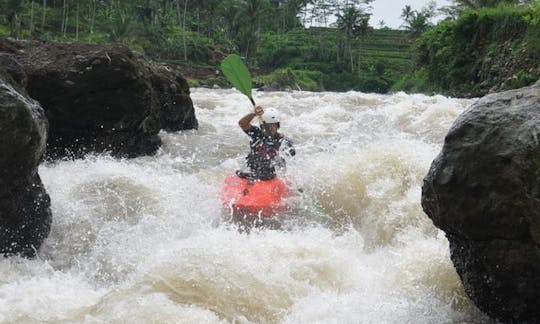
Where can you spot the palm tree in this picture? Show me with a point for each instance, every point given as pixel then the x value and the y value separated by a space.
pixel 406 12
pixel 209 13
pixel 230 13
pixel 352 22
pixel 252 14
pixel 418 22
pixel 120 26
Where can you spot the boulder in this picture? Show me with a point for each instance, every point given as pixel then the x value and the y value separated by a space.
pixel 102 98
pixel 483 191
pixel 25 215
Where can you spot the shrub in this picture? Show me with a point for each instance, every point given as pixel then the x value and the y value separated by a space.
pixel 415 82
pixel 480 49
pixel 293 79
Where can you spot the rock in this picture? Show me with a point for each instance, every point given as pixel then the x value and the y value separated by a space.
pixel 174 106
pixel 25 215
pixel 102 98
pixel 13 68
pixel 483 191
pixel 272 86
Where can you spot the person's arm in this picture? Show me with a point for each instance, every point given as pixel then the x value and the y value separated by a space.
pixel 245 122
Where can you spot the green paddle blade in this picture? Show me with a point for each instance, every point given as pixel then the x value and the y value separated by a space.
pixel 237 73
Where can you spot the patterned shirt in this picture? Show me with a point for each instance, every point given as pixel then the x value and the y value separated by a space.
pixel 266 153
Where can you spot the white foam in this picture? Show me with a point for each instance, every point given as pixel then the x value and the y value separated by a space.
pixel 138 240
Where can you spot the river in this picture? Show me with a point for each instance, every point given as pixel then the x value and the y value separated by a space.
pixel 143 240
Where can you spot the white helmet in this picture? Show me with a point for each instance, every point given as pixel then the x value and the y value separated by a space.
pixel 271 116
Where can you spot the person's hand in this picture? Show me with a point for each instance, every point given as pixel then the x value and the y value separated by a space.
pixel 259 111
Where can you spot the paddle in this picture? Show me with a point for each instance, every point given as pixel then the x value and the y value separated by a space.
pixel 238 75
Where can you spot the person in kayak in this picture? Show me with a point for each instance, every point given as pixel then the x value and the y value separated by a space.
pixel 268 147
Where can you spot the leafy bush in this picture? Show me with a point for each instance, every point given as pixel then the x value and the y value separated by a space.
pixel 415 82
pixel 168 44
pixel 345 81
pixel 532 17
pixel 522 78
pixel 4 31
pixel 193 83
pixel 293 79
pixel 211 82
pixel 299 50
pixel 481 49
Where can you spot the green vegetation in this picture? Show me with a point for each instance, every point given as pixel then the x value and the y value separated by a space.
pixel 482 45
pixel 293 79
pixel 378 58
pixel 487 48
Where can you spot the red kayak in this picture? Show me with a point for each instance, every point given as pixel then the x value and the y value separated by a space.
pixel 255 199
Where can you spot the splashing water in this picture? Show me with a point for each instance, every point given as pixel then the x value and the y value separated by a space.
pixel 143 241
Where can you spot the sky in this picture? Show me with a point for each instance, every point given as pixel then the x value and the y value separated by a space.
pixel 390 10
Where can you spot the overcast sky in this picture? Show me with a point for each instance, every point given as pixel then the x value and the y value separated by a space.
pixel 390 10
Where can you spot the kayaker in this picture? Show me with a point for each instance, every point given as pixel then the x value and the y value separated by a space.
pixel 268 147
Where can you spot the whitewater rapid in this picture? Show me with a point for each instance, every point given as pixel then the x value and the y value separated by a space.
pixel 142 240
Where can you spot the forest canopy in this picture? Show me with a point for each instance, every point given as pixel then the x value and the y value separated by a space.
pixel 343 52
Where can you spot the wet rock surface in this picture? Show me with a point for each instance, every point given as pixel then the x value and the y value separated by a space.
pixel 25 215
pixel 102 98
pixel 483 191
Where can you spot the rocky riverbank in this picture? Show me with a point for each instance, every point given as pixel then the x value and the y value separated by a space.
pixel 483 191
pixel 64 100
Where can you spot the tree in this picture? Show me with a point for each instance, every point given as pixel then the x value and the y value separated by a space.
pixel 252 13
pixel 184 32
pixel 92 13
pixel 293 8
pixel 209 11
pixel 120 21
pixel 406 12
pixel 14 13
pixel 476 4
pixel 43 15
pixel 353 22
pixel 321 10
pixel 418 22
pixel 65 16
pixel 31 26
pixel 285 14
pixel 453 11
pixel 230 14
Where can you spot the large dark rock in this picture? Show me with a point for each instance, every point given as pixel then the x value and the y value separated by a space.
pixel 102 98
pixel 25 215
pixel 483 190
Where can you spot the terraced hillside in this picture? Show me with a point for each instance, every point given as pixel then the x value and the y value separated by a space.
pixel 380 58
pixel 390 47
pixel 314 48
